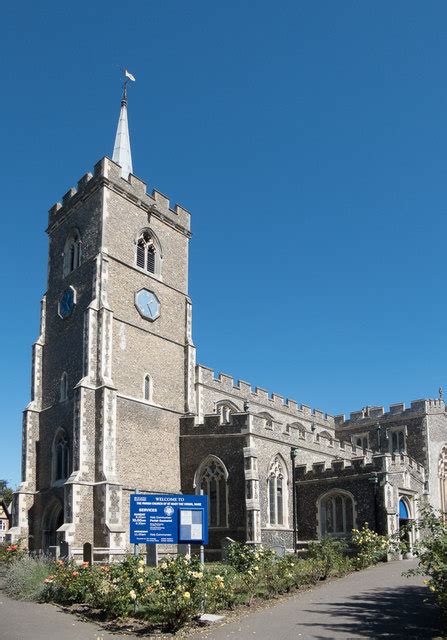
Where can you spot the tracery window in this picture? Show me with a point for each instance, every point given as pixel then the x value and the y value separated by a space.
pixel 72 252
pixel 336 514
pixel 60 457
pixel 147 387
pixel 277 492
pixel 148 253
pixel 213 482
pixel 63 389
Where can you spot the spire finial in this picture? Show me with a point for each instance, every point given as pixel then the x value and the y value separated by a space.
pixel 124 98
pixel 121 150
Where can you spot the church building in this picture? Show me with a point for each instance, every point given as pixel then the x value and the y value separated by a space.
pixel 118 402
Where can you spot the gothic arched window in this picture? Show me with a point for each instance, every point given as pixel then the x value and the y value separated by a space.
pixel 336 514
pixel 147 387
pixel 63 390
pixel 277 492
pixel 211 478
pixel 148 255
pixel 72 252
pixel 61 457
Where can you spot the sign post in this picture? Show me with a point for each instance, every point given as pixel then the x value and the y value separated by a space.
pixel 168 519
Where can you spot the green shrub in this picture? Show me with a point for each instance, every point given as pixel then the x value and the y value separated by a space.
pixel 331 553
pixel 431 551
pixel 178 592
pixel 246 557
pixel 370 547
pixel 24 578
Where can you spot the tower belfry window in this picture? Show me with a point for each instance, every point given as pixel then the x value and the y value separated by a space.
pixel 146 250
pixel 72 252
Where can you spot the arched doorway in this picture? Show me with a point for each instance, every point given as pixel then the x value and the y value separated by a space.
pixel 52 520
pixel 405 526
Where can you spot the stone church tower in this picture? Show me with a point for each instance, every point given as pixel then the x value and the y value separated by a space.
pixel 113 366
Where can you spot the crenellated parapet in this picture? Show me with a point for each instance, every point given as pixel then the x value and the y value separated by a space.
pixel 361 465
pixel 225 384
pixel 375 414
pixel 134 190
pixel 212 424
pixel 398 462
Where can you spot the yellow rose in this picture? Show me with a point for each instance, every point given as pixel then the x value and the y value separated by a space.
pixel 141 580
pixel 140 570
pixel 187 595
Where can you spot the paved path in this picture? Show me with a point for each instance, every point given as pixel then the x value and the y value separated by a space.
pixel 32 621
pixel 376 603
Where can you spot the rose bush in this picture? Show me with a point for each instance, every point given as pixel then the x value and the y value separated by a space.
pixel 370 547
pixel 10 552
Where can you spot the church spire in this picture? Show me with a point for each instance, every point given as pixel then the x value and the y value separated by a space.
pixel 121 151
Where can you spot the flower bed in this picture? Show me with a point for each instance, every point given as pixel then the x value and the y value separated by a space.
pixel 180 589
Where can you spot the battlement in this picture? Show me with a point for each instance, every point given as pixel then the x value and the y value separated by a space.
pixel 212 424
pixel 223 382
pixel 375 413
pixel 134 189
pixel 358 465
pixel 399 461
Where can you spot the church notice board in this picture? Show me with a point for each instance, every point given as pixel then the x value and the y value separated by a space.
pixel 168 519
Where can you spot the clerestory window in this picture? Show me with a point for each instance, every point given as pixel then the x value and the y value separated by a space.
pixel 397 441
pixel 361 440
pixel 225 410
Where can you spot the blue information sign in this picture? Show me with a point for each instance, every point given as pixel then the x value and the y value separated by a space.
pixel 168 518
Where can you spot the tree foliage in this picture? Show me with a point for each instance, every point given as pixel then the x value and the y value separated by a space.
pixel 5 492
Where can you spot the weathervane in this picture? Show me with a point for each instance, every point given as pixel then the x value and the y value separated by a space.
pixel 441 392
pixel 127 76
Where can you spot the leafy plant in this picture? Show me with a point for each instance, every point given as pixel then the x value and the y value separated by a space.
pixel 5 492
pixel 246 557
pixel 370 547
pixel 24 579
pixel 331 553
pixel 431 551
pixel 9 553
pixel 179 591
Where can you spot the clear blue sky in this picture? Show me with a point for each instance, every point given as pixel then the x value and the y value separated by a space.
pixel 308 139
